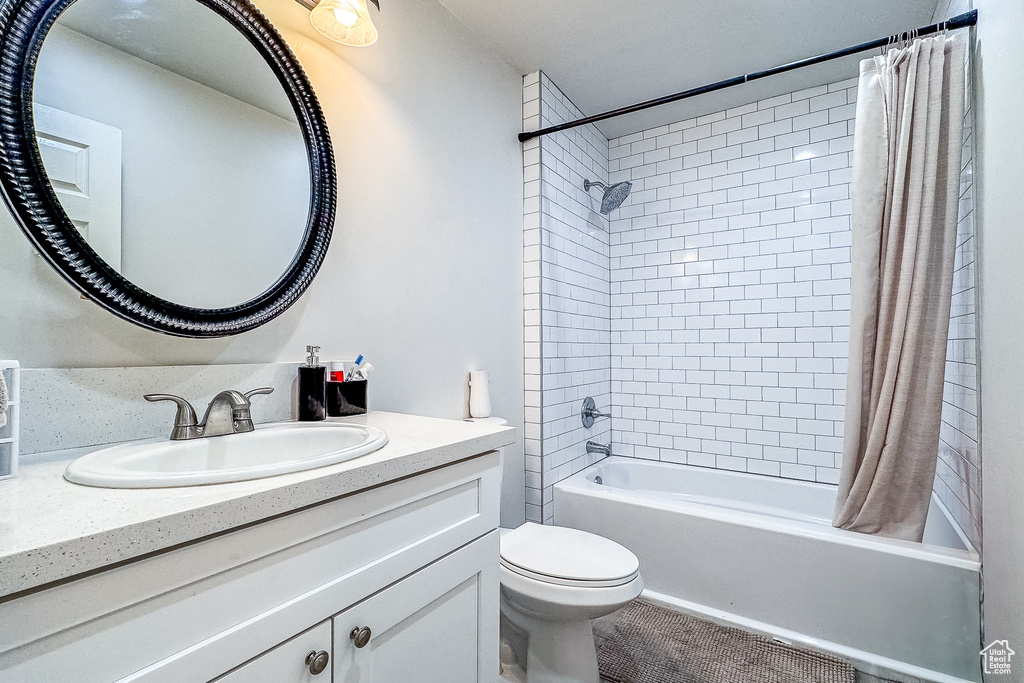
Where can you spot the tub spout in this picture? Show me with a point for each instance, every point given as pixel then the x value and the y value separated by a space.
pixel 593 447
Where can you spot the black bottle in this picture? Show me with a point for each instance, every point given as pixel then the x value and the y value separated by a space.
pixel 312 387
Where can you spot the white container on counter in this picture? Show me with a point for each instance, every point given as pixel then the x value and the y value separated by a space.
pixel 9 432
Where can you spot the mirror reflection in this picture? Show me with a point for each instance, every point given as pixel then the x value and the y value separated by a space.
pixel 173 148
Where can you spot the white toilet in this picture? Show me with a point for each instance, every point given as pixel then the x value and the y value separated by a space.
pixel 554 580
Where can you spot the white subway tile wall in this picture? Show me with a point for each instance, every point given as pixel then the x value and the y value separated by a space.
pixel 730 276
pixel 531 302
pixel 725 334
pixel 958 475
pixel 567 315
pixel 575 354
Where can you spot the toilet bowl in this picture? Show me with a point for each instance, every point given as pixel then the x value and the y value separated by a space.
pixel 554 580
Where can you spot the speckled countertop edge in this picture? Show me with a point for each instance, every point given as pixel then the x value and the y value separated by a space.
pixel 51 529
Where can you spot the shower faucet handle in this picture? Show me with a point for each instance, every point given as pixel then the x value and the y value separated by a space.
pixel 589 412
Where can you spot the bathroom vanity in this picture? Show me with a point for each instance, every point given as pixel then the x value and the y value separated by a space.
pixel 380 569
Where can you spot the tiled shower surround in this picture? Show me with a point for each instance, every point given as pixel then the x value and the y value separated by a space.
pixel 568 312
pixel 729 280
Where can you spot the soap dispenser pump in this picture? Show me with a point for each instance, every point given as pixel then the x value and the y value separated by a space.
pixel 312 387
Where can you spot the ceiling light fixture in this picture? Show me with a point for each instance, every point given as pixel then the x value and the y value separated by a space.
pixel 343 21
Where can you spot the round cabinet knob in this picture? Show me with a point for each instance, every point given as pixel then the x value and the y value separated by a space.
pixel 360 636
pixel 317 661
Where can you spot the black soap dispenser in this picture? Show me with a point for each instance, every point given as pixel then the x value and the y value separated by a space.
pixel 312 387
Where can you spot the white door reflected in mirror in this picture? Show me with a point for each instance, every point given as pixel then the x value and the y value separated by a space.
pixel 214 172
pixel 83 161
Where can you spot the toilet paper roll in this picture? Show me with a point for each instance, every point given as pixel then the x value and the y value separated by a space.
pixel 479 394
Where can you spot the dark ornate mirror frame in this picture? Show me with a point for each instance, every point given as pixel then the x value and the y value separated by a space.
pixel 31 199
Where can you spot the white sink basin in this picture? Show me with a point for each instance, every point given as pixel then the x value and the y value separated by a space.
pixel 267 451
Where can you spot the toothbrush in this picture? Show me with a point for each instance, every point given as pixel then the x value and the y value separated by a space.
pixel 350 375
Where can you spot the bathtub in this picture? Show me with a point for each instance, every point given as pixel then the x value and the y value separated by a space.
pixel 761 553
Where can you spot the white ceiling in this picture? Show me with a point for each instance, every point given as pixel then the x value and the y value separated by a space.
pixel 606 54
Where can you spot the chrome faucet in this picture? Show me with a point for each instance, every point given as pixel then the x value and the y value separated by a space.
pixel 228 413
pixel 594 447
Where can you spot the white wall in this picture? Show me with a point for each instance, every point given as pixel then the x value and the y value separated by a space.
pixel 424 274
pixel 999 65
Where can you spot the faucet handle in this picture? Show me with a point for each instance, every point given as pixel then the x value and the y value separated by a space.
pixel 242 417
pixel 185 422
pixel 254 392
pixel 186 415
pixel 589 412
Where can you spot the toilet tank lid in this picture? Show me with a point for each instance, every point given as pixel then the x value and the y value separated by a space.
pixel 564 553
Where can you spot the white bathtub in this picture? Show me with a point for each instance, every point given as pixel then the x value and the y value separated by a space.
pixel 761 553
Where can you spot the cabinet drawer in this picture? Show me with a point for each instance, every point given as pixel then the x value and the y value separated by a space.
pixel 287 663
pixel 193 613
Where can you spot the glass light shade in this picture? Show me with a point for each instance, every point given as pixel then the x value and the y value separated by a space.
pixel 344 21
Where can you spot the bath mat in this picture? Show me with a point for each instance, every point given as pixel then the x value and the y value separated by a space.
pixel 651 644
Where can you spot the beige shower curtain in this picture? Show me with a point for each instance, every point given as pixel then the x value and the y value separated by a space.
pixel 906 178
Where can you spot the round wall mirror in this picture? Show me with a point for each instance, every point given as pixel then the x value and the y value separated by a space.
pixel 167 157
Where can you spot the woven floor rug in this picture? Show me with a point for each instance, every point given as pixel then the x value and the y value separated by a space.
pixel 651 644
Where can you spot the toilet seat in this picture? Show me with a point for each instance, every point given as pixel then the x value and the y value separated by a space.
pixel 567 557
pixel 562 581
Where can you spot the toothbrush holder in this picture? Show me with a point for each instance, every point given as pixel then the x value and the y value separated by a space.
pixel 346 398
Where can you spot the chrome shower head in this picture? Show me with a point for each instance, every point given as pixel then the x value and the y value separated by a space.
pixel 614 195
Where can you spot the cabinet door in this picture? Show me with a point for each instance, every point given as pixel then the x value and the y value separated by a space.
pixel 439 625
pixel 286 663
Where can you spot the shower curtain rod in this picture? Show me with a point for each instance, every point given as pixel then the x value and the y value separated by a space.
pixel 960 21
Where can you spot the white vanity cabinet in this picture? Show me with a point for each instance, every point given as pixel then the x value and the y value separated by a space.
pixel 414 560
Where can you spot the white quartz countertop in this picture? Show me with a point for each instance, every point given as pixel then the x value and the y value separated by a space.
pixel 51 529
